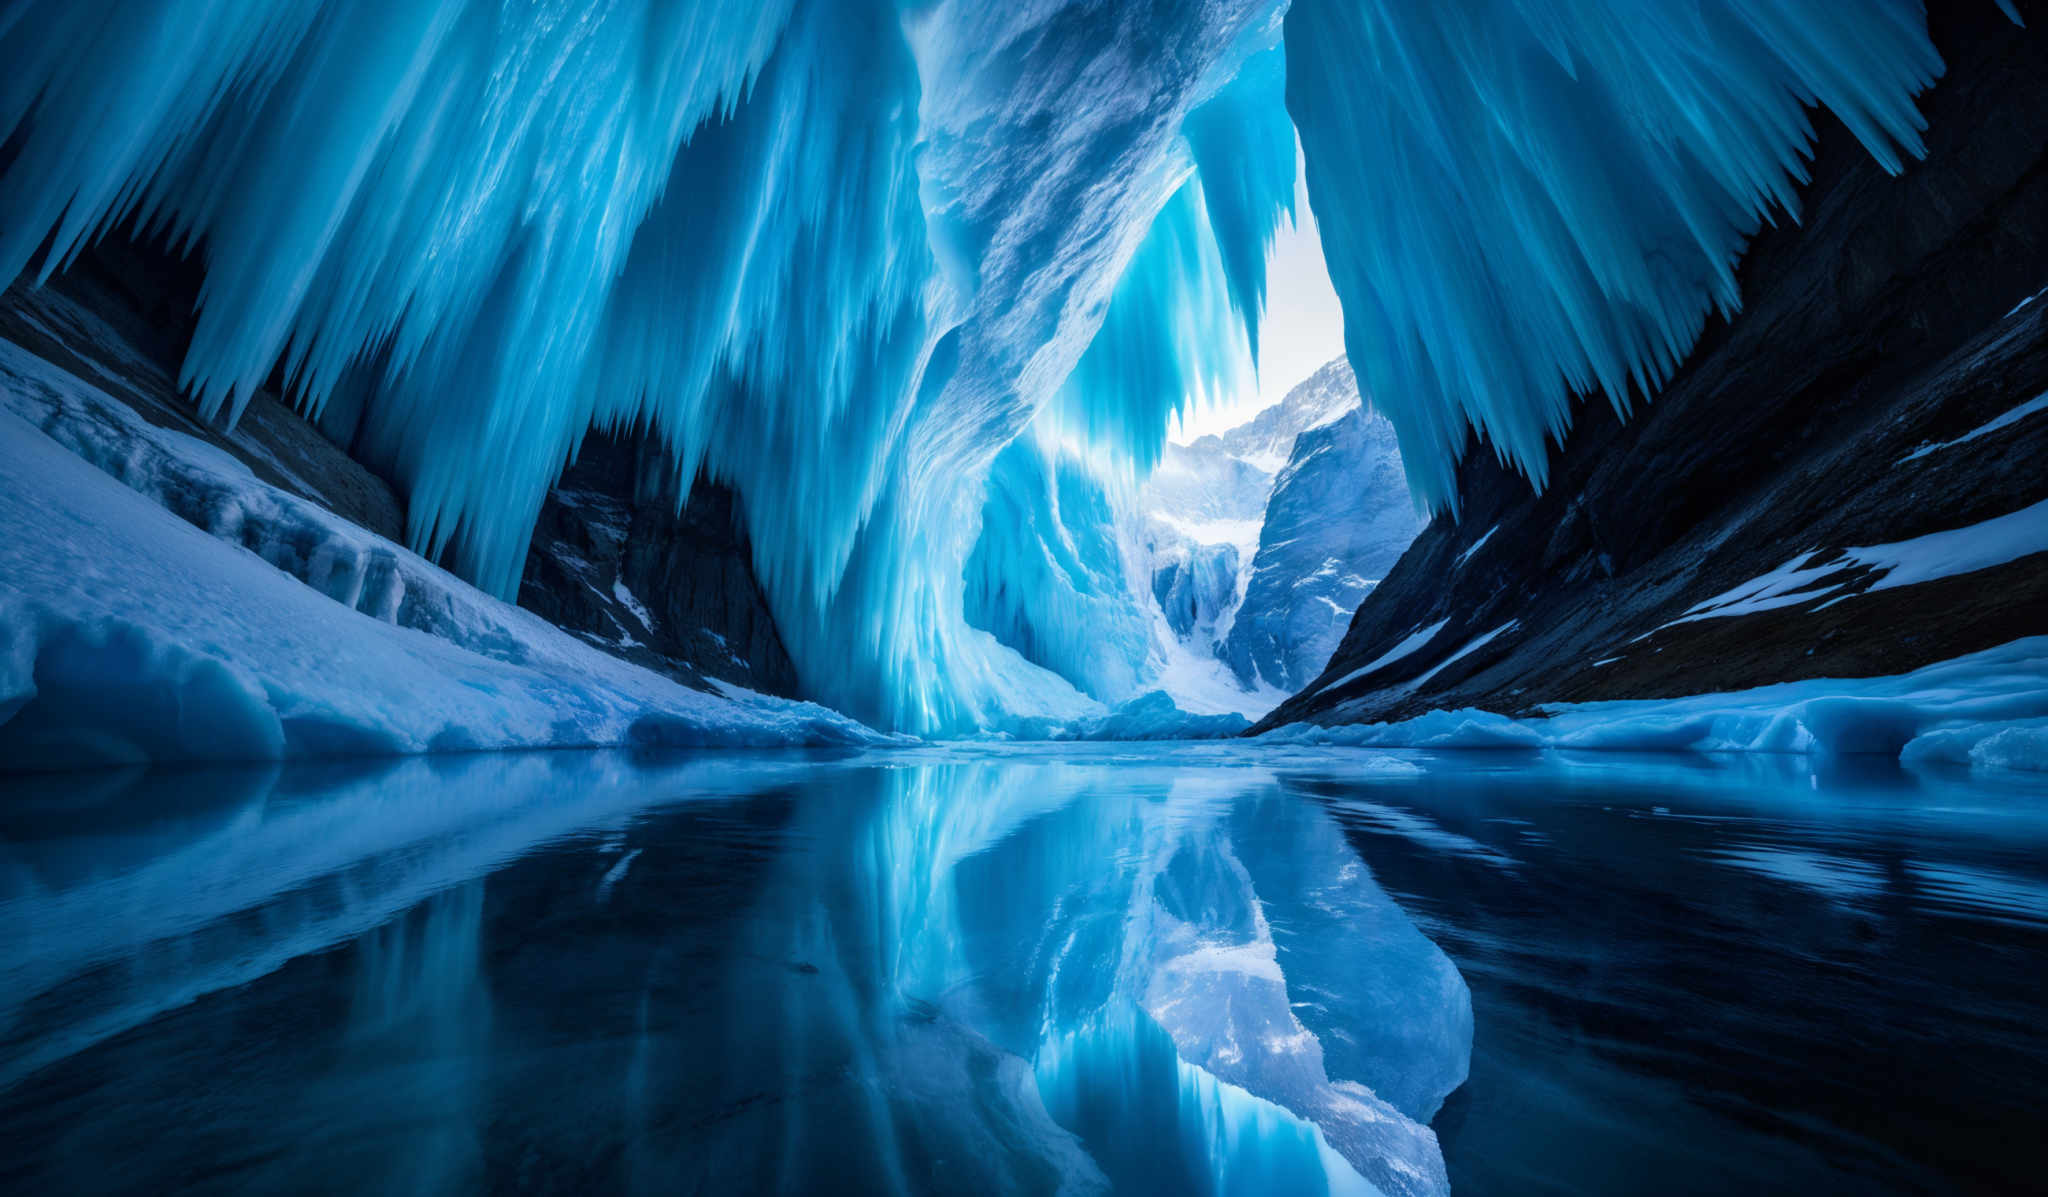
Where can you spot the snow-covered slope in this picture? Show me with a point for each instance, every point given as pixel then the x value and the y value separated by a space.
pixel 168 605
pixel 1338 520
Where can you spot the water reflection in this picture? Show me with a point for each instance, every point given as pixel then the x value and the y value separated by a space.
pixel 1729 975
pixel 780 973
pixel 940 971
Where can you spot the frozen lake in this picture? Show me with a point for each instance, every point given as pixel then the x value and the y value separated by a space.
pixel 1159 969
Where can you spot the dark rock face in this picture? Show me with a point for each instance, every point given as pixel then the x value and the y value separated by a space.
pixel 614 562
pixel 1338 520
pixel 121 318
pixel 1879 325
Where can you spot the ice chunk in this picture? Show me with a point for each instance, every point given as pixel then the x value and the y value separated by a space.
pixel 1155 716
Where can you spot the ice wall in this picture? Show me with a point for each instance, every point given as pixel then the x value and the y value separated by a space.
pixel 839 253
pixel 834 253
pixel 1047 576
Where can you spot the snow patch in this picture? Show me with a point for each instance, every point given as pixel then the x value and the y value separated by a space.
pixel 1987 710
pixel 2039 404
pixel 1414 641
pixel 130 635
pixel 1947 554
pixel 1984 545
pixel 634 605
pixel 1476 546
pixel 1471 646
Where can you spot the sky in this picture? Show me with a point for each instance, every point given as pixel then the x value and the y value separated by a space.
pixel 1303 328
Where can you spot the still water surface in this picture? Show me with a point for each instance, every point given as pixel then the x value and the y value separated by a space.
pixel 1160 970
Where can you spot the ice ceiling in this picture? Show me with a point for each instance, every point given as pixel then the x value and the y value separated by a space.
pixel 843 254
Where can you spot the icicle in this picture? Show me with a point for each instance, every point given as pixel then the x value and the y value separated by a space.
pixel 1171 338
pixel 1524 200
pixel 841 252
pixel 1243 145
pixel 1047 577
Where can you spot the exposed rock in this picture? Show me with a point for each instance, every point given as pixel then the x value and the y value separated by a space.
pixel 121 317
pixel 614 562
pixel 1880 324
pixel 1253 569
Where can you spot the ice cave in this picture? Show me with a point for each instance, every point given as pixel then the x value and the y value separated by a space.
pixel 1023 596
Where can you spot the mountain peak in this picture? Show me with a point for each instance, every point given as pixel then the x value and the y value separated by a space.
pixel 1267 439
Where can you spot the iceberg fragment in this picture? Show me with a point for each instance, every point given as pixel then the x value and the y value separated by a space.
pixel 1986 709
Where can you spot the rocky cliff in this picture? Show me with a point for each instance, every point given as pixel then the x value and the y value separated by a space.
pixel 1844 480
pixel 666 584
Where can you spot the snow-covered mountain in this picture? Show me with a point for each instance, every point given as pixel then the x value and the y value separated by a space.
pixel 1267 440
pixel 1338 519
pixel 1258 543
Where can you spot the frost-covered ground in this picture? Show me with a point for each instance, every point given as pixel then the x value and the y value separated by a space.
pixel 259 625
pixel 1986 710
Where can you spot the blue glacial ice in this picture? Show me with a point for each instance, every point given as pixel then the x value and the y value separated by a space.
pixel 840 253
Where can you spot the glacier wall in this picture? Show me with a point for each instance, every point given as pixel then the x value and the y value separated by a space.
pixel 839 253
pixel 1047 576
pixel 832 253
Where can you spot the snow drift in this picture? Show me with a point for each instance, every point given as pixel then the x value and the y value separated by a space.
pixel 260 626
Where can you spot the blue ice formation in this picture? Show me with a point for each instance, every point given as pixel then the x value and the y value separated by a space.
pixel 1117 935
pixel 1169 338
pixel 1182 325
pixel 839 253
pixel 1524 200
pixel 1047 576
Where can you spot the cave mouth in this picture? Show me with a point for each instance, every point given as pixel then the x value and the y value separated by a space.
pixel 919 596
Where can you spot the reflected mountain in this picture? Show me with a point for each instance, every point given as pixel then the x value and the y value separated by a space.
pixel 782 973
